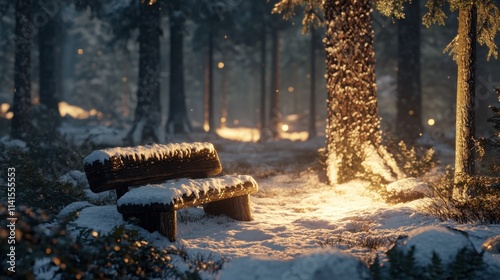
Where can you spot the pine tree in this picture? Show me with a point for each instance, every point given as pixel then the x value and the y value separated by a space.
pixel 148 112
pixel 478 22
pixel 20 125
pixel 409 99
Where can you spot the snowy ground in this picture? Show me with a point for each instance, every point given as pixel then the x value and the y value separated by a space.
pixel 294 212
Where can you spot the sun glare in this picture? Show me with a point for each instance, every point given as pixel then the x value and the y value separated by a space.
pixel 76 112
pixel 284 127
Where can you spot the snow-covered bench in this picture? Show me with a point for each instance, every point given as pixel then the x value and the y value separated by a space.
pixel 155 205
pixel 123 167
pixel 155 200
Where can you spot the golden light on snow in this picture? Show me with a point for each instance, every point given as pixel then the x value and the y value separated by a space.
pixel 431 122
pixel 291 89
pixel 411 112
pixel 79 51
pixel 250 134
pixel 77 112
pixel 284 127
pixel 220 65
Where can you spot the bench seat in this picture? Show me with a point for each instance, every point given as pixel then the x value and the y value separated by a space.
pixel 155 205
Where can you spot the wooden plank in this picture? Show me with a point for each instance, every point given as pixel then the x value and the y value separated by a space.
pixel 120 171
pixel 185 201
pixel 237 208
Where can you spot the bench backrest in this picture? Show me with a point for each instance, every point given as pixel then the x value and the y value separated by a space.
pixel 118 168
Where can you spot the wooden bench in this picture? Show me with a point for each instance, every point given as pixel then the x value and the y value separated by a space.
pixel 153 168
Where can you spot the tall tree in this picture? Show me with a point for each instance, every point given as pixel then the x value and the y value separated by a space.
pixel 47 44
pixel 312 95
pixel 178 121
pixel 275 102
pixel 148 112
pixel 353 127
pixel 20 125
pixel 478 21
pixel 409 99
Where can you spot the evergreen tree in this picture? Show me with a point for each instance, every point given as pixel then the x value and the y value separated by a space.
pixel 20 125
pixel 47 46
pixel 478 22
pixel 178 121
pixel 409 99
pixel 148 111
pixel 353 126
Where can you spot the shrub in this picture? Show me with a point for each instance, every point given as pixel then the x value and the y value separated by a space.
pixel 49 250
pixel 483 206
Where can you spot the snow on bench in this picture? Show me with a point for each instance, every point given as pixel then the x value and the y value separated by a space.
pixel 120 168
pixel 155 200
pixel 155 205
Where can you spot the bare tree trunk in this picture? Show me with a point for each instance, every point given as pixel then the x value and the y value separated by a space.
pixel 20 124
pixel 263 66
pixel 312 97
pixel 178 121
pixel 148 112
pixel 275 110
pixel 353 125
pixel 409 98
pixel 49 97
pixel 466 58
pixel 223 110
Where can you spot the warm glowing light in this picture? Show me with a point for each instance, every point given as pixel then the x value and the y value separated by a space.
pixel 9 115
pixel 290 89
pixel 95 233
pixel 206 127
pixel 220 65
pixel 411 112
pixel 4 111
pixel 284 127
pixel 236 122
pixel 80 51
pixel 77 112
pixel 225 36
pixel 431 122
pixel 223 120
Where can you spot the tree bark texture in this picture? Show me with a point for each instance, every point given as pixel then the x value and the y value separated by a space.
pixel 178 120
pixel 49 96
pixel 275 103
pixel 409 98
pixel 466 56
pixel 263 72
pixel 20 124
pixel 312 97
pixel 353 124
pixel 148 110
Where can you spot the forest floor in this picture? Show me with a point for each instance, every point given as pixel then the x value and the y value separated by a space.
pixel 294 211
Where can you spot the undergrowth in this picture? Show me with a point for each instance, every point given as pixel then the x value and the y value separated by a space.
pixel 48 250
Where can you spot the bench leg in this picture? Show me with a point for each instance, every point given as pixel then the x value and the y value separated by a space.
pixel 237 208
pixel 163 222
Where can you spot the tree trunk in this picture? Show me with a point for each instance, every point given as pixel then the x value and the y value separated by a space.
pixel 263 66
pixel 178 121
pixel 353 124
pixel 409 100
pixel 20 124
pixel 148 111
pixel 466 56
pixel 312 97
pixel 49 97
pixel 275 110
pixel 223 110
pixel 210 99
